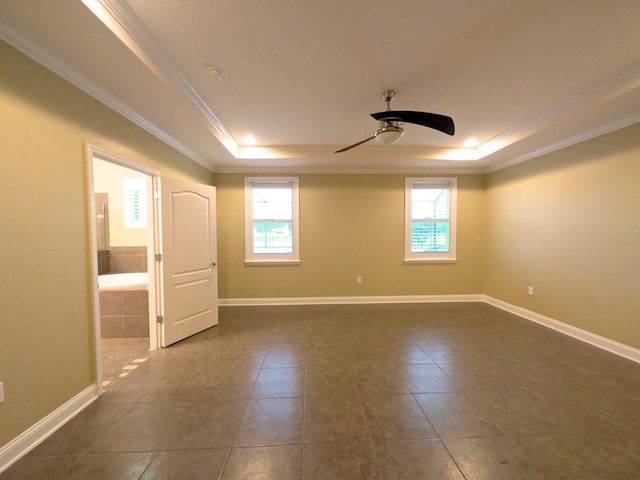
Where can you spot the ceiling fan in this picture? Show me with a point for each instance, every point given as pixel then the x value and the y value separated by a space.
pixel 390 130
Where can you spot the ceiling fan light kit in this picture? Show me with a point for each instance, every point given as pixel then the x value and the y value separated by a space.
pixel 388 134
pixel 390 130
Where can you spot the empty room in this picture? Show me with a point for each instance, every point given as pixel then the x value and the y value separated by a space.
pixel 319 240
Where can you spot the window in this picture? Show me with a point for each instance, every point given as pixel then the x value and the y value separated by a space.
pixel 430 219
pixel 271 220
pixel 134 192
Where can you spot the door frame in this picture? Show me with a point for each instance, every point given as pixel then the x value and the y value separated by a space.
pixel 92 152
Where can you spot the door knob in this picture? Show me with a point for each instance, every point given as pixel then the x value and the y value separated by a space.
pixel 213 264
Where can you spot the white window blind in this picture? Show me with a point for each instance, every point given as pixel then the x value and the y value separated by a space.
pixel 271 210
pixel 134 201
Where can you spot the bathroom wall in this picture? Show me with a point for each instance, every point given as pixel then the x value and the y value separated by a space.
pixel 108 177
pixel 127 259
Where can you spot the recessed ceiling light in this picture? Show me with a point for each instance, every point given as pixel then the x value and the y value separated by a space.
pixel 249 140
pixel 471 142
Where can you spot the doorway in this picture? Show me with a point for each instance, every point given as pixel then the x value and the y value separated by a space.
pixel 122 222
pixel 178 220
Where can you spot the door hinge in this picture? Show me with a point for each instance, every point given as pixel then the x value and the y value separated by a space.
pixel 160 319
pixel 158 257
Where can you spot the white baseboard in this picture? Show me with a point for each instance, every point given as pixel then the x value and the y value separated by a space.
pixel 236 302
pixel 591 338
pixel 31 438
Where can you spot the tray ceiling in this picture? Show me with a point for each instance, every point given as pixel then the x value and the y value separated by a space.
pixel 522 78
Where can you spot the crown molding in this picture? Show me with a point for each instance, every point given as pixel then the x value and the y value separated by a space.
pixel 568 142
pixel 68 73
pixel 121 20
pixel 625 82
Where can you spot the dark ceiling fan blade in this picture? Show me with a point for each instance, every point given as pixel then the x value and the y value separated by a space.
pixel 356 144
pixel 431 120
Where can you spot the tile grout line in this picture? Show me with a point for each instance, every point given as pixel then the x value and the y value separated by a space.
pixel 444 445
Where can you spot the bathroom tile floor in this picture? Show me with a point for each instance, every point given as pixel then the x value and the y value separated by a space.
pixel 405 391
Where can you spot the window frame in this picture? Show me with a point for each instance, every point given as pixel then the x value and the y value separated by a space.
pixel 252 258
pixel 431 257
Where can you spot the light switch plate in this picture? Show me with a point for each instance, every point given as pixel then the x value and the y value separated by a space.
pixel 1 392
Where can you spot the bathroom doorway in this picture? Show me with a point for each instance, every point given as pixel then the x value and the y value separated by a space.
pixel 181 255
pixel 122 211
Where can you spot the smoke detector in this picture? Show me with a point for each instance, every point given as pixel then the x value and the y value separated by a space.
pixel 215 72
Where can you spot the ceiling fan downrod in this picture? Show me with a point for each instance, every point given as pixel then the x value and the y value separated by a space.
pixel 387 96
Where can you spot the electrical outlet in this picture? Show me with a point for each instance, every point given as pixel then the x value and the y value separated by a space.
pixel 359 280
pixel 530 290
pixel 1 392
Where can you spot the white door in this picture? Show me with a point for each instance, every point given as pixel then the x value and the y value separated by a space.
pixel 189 285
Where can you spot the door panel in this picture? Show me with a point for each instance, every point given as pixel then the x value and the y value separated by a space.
pixel 189 257
pixel 192 298
pixel 191 252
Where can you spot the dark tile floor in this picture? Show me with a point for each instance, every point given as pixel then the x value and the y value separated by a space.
pixel 118 353
pixel 411 391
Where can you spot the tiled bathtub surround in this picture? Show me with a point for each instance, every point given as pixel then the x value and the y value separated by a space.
pixel 124 314
pixel 416 391
pixel 127 259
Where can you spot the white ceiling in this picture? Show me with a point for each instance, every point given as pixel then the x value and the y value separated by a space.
pixel 523 77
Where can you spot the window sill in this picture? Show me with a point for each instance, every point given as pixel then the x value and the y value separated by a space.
pixel 271 261
pixel 429 260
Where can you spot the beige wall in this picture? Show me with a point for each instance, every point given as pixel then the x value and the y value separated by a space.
pixel 350 225
pixel 568 224
pixel 46 346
